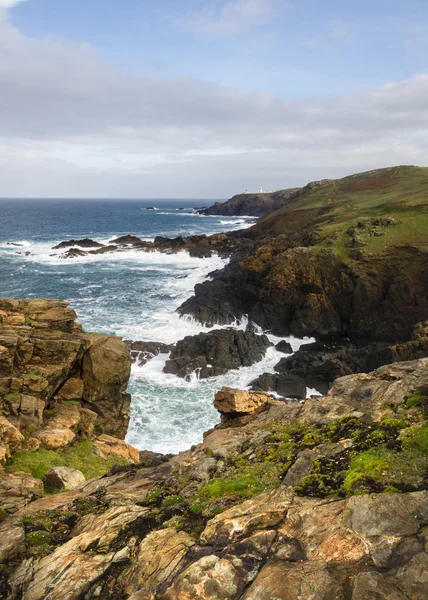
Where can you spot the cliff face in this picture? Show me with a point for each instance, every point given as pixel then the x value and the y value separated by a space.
pixel 344 258
pixel 62 396
pixel 291 501
pixel 254 205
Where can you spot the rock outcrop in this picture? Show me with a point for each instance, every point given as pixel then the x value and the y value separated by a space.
pixel 259 511
pixel 216 352
pixel 58 387
pixel 253 205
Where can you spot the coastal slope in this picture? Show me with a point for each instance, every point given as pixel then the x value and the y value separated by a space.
pixel 344 258
pixel 325 499
pixel 252 204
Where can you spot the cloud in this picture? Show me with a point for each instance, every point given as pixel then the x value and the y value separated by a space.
pixel 72 124
pixel 233 17
pixel 10 3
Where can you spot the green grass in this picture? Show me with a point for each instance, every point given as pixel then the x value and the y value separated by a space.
pixel 336 205
pixel 79 456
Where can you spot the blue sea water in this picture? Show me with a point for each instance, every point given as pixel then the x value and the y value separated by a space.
pixel 132 294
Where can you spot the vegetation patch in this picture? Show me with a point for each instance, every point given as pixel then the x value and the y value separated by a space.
pixel 80 455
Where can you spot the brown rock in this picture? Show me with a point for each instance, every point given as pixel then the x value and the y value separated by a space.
pixel 63 478
pixel 110 446
pixel 307 581
pixel 105 372
pixel 54 438
pixel 160 556
pixel 68 415
pixel 231 401
pixel 71 390
pixel 17 490
pixel 10 437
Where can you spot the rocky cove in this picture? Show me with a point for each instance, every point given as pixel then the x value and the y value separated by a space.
pixel 323 498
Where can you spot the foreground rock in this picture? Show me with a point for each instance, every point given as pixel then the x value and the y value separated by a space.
pixel 216 352
pixel 59 389
pixel 62 478
pixel 259 511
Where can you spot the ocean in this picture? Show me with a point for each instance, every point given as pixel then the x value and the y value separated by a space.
pixel 130 294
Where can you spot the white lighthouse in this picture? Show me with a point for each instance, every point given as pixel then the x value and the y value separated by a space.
pixel 261 189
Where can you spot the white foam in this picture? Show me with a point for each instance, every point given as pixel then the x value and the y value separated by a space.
pixel 161 412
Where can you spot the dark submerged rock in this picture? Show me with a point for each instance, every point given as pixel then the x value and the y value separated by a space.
pixel 85 243
pixel 284 385
pixel 142 352
pixel 216 352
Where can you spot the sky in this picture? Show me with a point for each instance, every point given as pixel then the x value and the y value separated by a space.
pixel 204 98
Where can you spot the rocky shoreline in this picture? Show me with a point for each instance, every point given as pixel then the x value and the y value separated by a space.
pixel 325 497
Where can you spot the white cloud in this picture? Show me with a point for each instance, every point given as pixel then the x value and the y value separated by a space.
pixel 233 17
pixel 10 3
pixel 71 124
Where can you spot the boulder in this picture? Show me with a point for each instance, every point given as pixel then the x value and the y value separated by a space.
pixel 284 346
pixel 63 478
pixel 216 352
pixel 286 386
pixel 232 402
pixel 55 438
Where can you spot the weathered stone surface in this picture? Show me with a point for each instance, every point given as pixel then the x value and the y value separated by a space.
pixel 71 390
pixel 12 539
pixel 63 478
pixel 18 490
pixel 231 401
pixel 110 446
pixel 263 512
pixel 10 437
pixel 160 556
pixel 54 438
pixel 106 368
pixel 281 581
pixel 42 353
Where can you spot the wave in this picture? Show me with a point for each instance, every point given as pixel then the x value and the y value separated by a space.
pixel 164 405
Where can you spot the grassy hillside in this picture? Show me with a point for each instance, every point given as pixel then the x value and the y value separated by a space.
pixel 377 209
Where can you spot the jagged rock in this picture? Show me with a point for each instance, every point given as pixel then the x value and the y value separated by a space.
pixel 216 352
pixel 232 402
pixel 214 303
pixel 160 557
pixel 17 490
pixel 12 540
pixel 127 240
pixel 105 372
pixel 254 205
pixel 276 544
pixel 286 386
pixel 10 438
pixel 63 478
pixel 142 352
pixel 85 243
pixel 284 346
pixel 79 563
pixel 111 446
